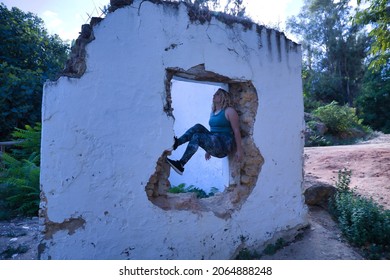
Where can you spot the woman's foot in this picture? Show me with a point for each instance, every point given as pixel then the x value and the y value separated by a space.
pixel 176 165
pixel 175 145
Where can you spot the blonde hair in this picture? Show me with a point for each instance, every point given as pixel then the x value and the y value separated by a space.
pixel 226 100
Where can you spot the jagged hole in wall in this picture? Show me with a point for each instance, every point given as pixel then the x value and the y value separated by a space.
pixel 191 101
pixel 242 177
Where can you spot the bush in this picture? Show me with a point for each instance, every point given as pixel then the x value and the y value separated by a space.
pixel 19 175
pixel 317 140
pixel 340 120
pixel 19 186
pixel 363 222
pixel 29 142
pixel 199 192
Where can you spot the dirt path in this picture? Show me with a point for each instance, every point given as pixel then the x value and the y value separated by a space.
pixel 321 241
pixel 370 165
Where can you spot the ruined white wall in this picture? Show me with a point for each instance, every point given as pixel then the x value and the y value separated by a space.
pixel 104 132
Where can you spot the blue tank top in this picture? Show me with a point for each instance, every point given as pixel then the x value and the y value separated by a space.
pixel 219 124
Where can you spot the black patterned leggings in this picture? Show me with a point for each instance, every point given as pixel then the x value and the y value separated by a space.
pixel 216 144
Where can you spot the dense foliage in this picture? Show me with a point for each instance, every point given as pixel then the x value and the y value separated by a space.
pixel 377 15
pixel 373 103
pixel 19 175
pixel 374 100
pixel 28 57
pixel 335 48
pixel 340 120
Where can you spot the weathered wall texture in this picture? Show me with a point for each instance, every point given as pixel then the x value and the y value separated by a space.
pixel 106 126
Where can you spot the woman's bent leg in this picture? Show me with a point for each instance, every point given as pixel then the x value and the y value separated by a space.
pixel 215 145
pixel 187 136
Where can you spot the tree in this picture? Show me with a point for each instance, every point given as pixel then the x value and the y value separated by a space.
pixel 374 101
pixel 377 15
pixel 28 57
pixel 333 49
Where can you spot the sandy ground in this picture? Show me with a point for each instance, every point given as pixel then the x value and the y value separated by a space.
pixel 369 163
pixel 322 240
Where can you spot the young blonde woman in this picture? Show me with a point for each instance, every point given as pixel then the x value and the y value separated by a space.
pixel 223 137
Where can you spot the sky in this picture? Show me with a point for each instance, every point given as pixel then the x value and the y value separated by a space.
pixel 66 17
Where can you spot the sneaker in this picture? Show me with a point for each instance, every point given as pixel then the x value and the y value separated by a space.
pixel 176 165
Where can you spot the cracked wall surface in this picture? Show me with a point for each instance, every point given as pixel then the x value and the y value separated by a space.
pixel 108 120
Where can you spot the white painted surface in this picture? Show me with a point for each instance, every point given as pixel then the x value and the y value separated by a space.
pixel 103 133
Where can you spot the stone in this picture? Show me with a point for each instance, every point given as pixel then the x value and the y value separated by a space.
pixel 321 128
pixel 319 193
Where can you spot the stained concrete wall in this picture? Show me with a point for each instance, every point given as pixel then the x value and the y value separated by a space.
pixel 104 135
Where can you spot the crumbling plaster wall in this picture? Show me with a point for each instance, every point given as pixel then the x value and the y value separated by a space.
pixel 105 131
